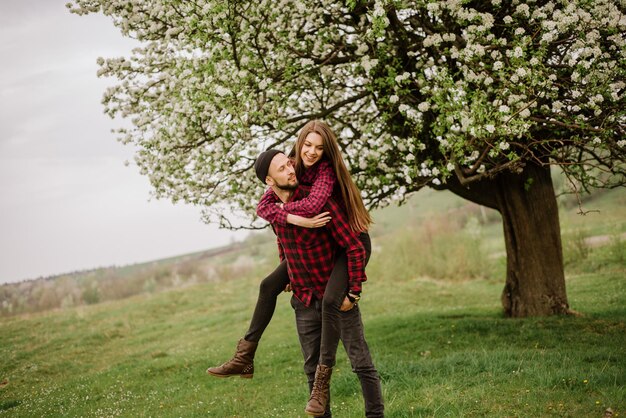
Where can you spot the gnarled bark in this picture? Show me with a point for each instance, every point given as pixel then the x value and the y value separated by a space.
pixel 535 280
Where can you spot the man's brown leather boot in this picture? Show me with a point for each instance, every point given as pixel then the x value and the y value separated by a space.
pixel 319 395
pixel 242 364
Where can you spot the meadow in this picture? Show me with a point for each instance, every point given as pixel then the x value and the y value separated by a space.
pixel 432 316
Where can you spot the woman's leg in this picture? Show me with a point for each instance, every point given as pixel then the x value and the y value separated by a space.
pixel 269 290
pixel 335 292
pixel 242 363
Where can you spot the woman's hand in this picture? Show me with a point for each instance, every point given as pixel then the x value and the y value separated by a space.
pixel 314 222
pixel 346 305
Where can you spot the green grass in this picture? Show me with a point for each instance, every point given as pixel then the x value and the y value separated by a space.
pixel 432 317
pixel 442 349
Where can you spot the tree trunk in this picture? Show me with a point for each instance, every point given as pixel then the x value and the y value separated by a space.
pixel 535 280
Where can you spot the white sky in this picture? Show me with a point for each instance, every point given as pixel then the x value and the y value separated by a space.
pixel 67 202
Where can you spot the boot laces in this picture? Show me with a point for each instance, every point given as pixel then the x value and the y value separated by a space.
pixel 318 390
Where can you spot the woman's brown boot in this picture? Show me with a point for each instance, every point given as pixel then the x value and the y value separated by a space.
pixel 242 364
pixel 320 393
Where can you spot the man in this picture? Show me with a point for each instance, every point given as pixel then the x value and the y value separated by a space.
pixel 310 257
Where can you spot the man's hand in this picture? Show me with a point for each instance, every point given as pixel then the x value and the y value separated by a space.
pixel 346 305
pixel 287 288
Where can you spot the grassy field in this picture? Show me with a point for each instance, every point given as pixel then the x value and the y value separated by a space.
pixel 434 327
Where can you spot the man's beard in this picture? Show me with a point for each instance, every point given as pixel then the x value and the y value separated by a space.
pixel 287 186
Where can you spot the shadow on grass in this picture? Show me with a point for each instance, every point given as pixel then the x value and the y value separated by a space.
pixel 6 405
pixel 419 332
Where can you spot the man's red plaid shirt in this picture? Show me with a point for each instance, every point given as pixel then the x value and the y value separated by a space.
pixel 322 179
pixel 310 252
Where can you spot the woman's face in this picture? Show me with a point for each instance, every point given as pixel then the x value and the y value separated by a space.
pixel 312 149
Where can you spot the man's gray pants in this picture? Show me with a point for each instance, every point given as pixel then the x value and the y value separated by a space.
pixel 309 326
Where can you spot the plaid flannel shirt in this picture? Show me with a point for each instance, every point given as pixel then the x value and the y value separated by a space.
pixel 310 252
pixel 321 178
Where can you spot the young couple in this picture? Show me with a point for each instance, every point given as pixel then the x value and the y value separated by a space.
pixel 323 257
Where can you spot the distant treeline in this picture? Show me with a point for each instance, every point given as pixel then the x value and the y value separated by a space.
pixel 113 283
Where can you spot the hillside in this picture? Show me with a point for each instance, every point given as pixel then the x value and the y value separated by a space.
pixel 432 316
pixel 444 225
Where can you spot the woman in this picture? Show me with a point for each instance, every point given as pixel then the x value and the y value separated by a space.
pixel 318 163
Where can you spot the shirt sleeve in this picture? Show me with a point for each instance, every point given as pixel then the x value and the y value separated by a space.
pixel 321 189
pixel 269 210
pixel 349 240
pixel 281 252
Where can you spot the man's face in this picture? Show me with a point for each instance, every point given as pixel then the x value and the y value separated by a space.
pixel 281 173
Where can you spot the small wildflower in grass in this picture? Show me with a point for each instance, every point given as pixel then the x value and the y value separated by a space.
pixel 585 381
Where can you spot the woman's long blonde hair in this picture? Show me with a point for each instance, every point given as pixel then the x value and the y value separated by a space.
pixel 358 217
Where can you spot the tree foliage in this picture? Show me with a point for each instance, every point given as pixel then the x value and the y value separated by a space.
pixel 419 91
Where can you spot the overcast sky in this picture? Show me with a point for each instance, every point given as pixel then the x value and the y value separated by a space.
pixel 67 201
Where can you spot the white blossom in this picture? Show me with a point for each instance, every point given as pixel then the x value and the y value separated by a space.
pixel 423 106
pixel 379 9
pixel 523 9
pixel 402 77
pixel 368 63
pixel 201 74
pixel 222 91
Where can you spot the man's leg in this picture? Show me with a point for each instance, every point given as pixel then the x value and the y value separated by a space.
pixel 336 290
pixel 358 352
pixel 309 326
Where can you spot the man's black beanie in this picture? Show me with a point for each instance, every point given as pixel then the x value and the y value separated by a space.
pixel 262 163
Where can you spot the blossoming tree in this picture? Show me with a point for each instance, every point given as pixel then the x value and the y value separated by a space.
pixel 476 97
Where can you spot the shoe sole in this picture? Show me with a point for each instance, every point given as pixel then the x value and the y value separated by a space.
pixel 243 376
